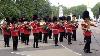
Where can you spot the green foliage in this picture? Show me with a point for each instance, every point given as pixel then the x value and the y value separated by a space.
pixel 78 10
pixel 41 8
pixel 55 11
pixel 95 10
pixel 66 11
pixel 25 8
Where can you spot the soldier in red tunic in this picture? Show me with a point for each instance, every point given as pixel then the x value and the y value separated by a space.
pixel 35 31
pixel 55 30
pixel 62 31
pixel 50 30
pixel 27 31
pixel 14 34
pixel 86 31
pixel 6 33
pixel 68 27
pixel 45 32
pixel 21 29
pixel 40 31
pixel 74 27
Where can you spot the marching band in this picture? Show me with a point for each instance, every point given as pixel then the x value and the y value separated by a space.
pixel 66 28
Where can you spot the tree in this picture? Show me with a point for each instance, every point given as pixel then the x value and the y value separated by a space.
pixel 27 8
pixel 31 7
pixel 78 10
pixel 66 11
pixel 8 8
pixel 55 11
pixel 96 10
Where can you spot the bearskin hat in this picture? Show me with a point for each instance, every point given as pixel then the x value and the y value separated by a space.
pixel 85 15
pixel 55 19
pixel 60 18
pixel 68 18
pixel 34 17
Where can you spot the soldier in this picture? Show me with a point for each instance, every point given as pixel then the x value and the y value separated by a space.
pixel 50 28
pixel 65 32
pixel 14 34
pixel 74 27
pixel 21 29
pixel 68 27
pixel 27 31
pixel 62 31
pixel 50 31
pixel 35 33
pixel 40 31
pixel 45 32
pixel 55 31
pixel 86 31
pixel 6 33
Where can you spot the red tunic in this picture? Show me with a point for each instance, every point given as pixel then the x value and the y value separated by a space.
pixel 4 31
pixel 50 25
pixel 14 32
pixel 27 31
pixel 35 28
pixel 68 28
pixel 61 29
pixel 87 33
pixel 21 29
pixel 74 27
pixel 55 29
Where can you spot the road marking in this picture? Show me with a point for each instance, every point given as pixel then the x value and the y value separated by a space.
pixel 70 50
pixel 28 55
pixel 23 54
pixel 12 52
pixel 17 53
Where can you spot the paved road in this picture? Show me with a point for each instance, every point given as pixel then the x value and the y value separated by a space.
pixel 76 49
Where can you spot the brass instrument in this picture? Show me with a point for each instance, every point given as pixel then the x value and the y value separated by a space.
pixel 45 27
pixel 7 28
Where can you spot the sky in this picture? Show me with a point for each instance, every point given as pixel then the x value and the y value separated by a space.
pixel 70 3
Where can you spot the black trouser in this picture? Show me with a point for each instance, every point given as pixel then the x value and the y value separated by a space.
pixel 56 38
pixel 61 36
pixel 6 40
pixel 40 36
pixel 26 39
pixel 69 37
pixel 87 44
pixel 45 38
pixel 22 38
pixel 15 42
pixel 50 34
pixel 36 38
pixel 66 35
pixel 74 35
pixel 19 34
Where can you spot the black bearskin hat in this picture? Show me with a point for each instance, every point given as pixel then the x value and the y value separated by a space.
pixel 63 17
pixel 60 18
pixel 55 19
pixel 85 15
pixel 34 17
pixel 68 18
